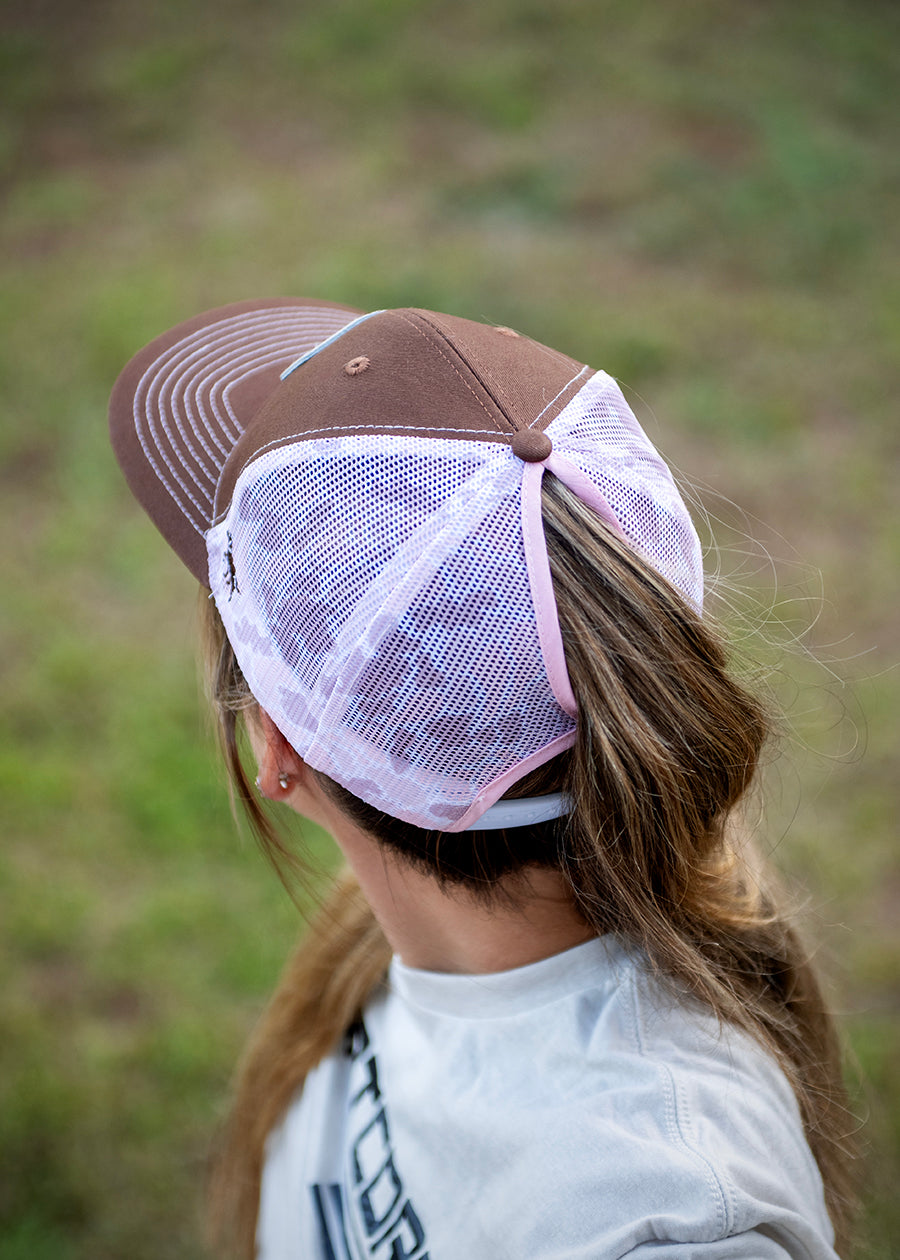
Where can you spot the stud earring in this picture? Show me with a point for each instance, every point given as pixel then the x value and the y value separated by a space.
pixel 283 782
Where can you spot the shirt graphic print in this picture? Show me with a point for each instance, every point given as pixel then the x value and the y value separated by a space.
pixel 371 1213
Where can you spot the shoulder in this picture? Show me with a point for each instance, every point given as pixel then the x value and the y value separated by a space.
pixel 718 1078
pixel 606 1093
pixel 724 1101
pixel 581 1109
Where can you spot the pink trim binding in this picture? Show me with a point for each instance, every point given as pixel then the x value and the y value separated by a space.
pixel 490 794
pixel 542 595
pixel 572 476
pixel 547 618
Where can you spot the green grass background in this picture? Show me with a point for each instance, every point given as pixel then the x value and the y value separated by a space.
pixel 701 197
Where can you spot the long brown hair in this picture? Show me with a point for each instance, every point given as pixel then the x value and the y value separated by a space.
pixel 667 745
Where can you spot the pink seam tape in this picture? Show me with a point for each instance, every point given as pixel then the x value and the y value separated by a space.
pixel 542 595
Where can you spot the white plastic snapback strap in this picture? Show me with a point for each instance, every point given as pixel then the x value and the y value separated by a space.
pixel 521 813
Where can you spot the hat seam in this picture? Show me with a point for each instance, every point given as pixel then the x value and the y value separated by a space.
pixel 464 346
pixel 454 368
pixel 435 318
pixel 568 385
pixel 453 338
pixel 336 431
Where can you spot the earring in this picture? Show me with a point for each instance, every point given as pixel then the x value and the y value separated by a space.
pixel 283 782
pixel 257 785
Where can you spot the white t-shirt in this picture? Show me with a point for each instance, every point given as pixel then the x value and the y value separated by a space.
pixel 568 1110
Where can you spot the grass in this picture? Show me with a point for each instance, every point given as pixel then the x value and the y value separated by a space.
pixel 701 198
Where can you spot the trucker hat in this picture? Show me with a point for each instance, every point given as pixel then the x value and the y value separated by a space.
pixel 361 493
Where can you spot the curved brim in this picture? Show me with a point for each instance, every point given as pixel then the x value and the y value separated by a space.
pixel 182 402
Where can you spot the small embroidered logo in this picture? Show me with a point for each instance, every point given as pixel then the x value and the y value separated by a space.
pixel 231 572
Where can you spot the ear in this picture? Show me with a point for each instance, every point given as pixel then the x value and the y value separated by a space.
pixel 280 767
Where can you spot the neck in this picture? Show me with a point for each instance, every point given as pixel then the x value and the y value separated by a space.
pixel 449 928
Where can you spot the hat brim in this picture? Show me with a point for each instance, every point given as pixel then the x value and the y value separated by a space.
pixel 181 404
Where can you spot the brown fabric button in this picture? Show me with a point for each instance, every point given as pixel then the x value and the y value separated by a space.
pixel 531 446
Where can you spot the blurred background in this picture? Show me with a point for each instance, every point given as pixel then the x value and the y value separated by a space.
pixel 702 198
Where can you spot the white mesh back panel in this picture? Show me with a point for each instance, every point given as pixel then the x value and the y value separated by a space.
pixel 599 433
pixel 377 596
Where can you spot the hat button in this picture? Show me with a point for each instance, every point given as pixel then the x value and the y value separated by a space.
pixel 531 446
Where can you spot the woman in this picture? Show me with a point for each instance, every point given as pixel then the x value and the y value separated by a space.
pixel 553 1008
